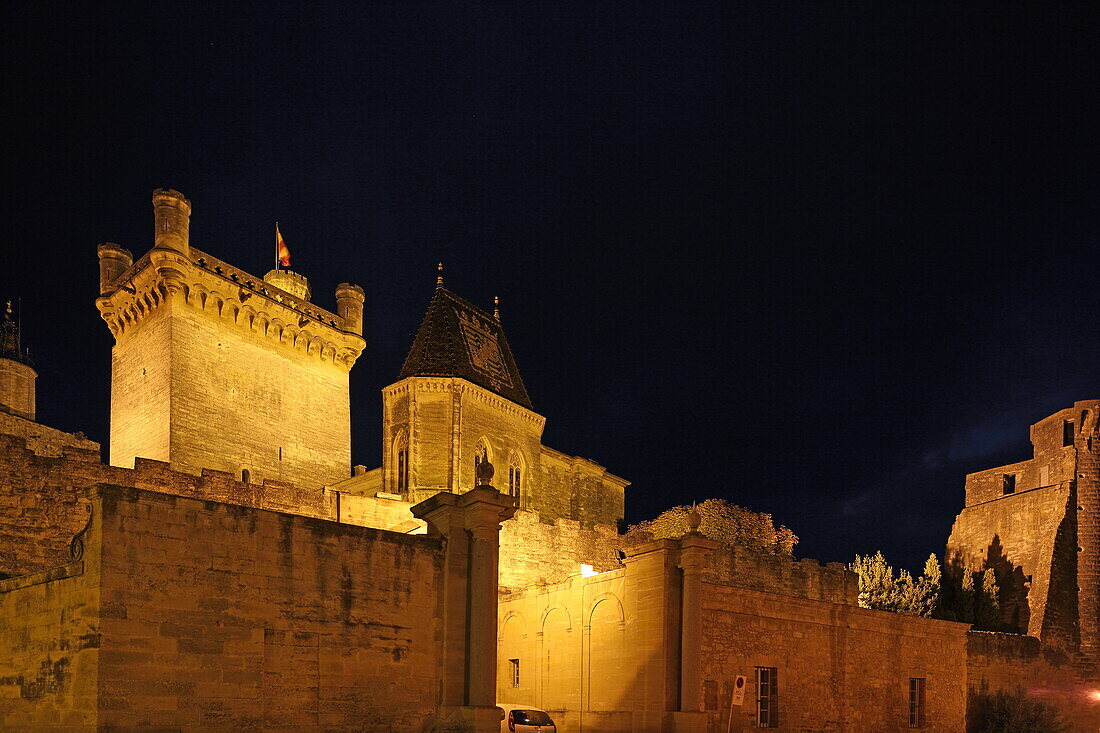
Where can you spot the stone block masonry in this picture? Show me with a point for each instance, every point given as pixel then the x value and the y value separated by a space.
pixel 1035 523
pixel 186 614
pixel 215 368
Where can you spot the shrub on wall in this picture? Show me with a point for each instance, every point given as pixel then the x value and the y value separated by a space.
pixel 1012 712
pixel 722 522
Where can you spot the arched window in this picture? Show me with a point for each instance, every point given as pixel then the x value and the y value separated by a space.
pixel 401 462
pixel 482 453
pixel 515 474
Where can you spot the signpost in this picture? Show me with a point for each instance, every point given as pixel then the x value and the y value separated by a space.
pixel 737 698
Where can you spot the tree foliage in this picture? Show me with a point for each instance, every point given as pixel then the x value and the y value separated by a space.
pixel 963 596
pixel 725 523
pixel 880 589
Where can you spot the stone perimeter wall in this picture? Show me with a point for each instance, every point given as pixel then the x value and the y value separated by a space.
pixel 208 616
pixel 43 504
pixel 1022 536
pixel 1013 662
pixel 50 637
pixel 838 667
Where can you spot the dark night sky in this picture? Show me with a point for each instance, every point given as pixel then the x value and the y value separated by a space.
pixel 821 261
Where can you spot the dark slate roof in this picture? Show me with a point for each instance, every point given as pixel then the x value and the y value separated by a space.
pixel 10 345
pixel 457 339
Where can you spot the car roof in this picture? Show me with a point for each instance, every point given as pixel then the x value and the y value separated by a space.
pixel 507 706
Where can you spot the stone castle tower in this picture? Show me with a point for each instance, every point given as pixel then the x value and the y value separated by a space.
pixel 459 400
pixel 17 374
pixel 1037 524
pixel 215 368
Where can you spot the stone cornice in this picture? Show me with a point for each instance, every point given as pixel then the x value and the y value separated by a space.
pixel 231 295
pixel 463 386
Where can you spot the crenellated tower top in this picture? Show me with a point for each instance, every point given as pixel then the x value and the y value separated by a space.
pixel 214 367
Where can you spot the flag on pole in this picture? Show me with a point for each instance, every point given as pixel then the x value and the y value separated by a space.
pixel 282 252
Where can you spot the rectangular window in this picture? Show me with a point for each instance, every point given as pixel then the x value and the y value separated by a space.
pixel 710 695
pixel 1008 483
pixel 916 702
pixel 1067 432
pixel 514 664
pixel 767 698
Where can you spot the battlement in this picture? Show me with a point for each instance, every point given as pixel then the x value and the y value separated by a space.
pixel 217 289
pixel 1053 461
pixel 216 368
pixel 742 567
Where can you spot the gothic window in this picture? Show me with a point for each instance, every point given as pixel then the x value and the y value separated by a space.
pixel 481 454
pixel 1008 483
pixel 515 474
pixel 401 463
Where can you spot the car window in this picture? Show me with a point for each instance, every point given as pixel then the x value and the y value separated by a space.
pixel 531 717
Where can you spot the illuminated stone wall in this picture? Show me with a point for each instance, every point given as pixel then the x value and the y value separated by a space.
pixel 43 439
pixel 241 401
pixel 839 667
pixel 50 647
pixel 17 381
pixel 43 502
pixel 215 368
pixel 1041 539
pixel 208 616
pixel 444 421
pixel 604 653
pixel 1012 662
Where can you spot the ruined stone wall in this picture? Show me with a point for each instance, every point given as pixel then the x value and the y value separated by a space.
pixel 43 439
pixel 1028 538
pixel 1042 538
pixel 1012 662
pixel 839 667
pixel 745 568
pixel 579 489
pixel 216 615
pixel 49 637
pixel 43 502
pixel 1087 445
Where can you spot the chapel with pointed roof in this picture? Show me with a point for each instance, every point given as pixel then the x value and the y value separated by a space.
pixel 458 401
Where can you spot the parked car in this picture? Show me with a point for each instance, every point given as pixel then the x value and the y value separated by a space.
pixel 525 719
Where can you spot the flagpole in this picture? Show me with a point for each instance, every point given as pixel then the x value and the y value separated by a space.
pixel 276 246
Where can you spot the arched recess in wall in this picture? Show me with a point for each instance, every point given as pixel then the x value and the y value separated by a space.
pixel 514 660
pixel 517 474
pixel 400 457
pixel 607 646
pixel 561 662
pixel 483 451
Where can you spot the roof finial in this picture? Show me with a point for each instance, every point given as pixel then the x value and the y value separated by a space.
pixel 496 308
pixel 7 311
pixel 439 276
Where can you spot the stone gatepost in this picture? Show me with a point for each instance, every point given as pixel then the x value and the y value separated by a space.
pixel 469 525
pixel 694 549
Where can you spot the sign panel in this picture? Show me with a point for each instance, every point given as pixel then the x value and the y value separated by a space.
pixel 738 690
